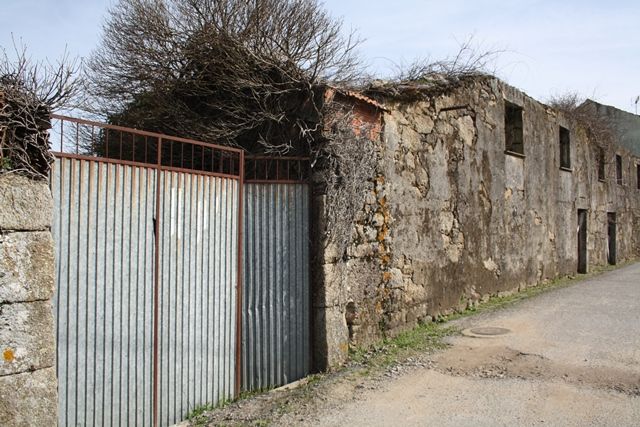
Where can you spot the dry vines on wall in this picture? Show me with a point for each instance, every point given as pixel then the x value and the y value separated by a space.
pixel 24 146
pixel 344 164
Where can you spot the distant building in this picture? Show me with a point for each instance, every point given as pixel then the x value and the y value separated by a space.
pixel 625 125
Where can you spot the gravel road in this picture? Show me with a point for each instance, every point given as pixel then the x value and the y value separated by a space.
pixel 571 358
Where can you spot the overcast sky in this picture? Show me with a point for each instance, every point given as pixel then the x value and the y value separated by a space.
pixel 592 47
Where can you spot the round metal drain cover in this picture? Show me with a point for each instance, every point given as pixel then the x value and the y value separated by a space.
pixel 490 331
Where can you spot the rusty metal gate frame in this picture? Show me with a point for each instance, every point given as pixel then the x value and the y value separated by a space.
pixel 230 165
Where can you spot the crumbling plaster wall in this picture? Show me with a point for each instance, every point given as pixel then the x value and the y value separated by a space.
pixel 28 385
pixel 451 219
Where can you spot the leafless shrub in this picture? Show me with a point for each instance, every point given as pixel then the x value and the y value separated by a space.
pixel 469 61
pixel 28 93
pixel 426 76
pixel 597 127
pixel 235 72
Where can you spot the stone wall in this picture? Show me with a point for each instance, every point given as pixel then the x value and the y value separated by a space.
pixel 28 386
pixel 452 219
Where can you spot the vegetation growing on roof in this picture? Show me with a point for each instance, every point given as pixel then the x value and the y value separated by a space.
pixel 585 115
pixel 425 77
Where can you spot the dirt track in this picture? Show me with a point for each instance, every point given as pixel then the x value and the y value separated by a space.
pixel 571 358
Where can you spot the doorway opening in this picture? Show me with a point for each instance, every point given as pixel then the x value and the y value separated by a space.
pixel 611 232
pixel 582 241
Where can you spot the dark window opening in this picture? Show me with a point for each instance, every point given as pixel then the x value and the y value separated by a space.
pixel 619 169
pixel 514 138
pixel 601 164
pixel 565 148
pixel 638 176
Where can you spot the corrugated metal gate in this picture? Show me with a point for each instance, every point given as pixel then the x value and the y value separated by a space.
pixel 275 324
pixel 150 263
pixel 197 308
pixel 104 299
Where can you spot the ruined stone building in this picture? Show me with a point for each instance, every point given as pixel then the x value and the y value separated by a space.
pixel 479 190
pixel 626 126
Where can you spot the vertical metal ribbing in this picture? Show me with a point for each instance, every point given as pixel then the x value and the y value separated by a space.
pixel 198 259
pixel 181 307
pixel 215 297
pixel 156 285
pixel 196 267
pixel 239 294
pixel 99 246
pixel 218 297
pixel 276 313
pixel 123 277
pixel 303 230
pixel 185 277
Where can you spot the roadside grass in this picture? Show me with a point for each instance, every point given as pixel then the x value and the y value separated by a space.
pixel 429 337
pixel 197 416
pixel 424 338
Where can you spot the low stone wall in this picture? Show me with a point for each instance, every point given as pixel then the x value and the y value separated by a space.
pixel 28 385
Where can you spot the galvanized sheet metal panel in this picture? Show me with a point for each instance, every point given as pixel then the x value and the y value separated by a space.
pixel 104 234
pixel 198 279
pixel 103 229
pixel 276 299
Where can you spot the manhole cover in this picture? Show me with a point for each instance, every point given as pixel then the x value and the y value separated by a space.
pixel 489 331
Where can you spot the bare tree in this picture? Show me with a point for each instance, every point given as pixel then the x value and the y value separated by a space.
pixel 29 92
pixel 236 72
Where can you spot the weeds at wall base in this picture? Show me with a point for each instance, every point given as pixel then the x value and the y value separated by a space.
pixel 429 337
pixel 197 417
pixel 425 338
pixel 496 302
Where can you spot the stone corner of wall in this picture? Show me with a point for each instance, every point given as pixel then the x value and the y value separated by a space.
pixel 28 384
pixel 25 204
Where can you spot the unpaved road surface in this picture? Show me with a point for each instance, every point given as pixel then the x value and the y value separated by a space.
pixel 571 358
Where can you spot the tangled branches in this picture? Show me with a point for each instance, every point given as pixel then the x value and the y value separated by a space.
pixel 427 77
pixel 469 61
pixel 234 72
pixel 585 115
pixel 28 93
pixel 345 162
